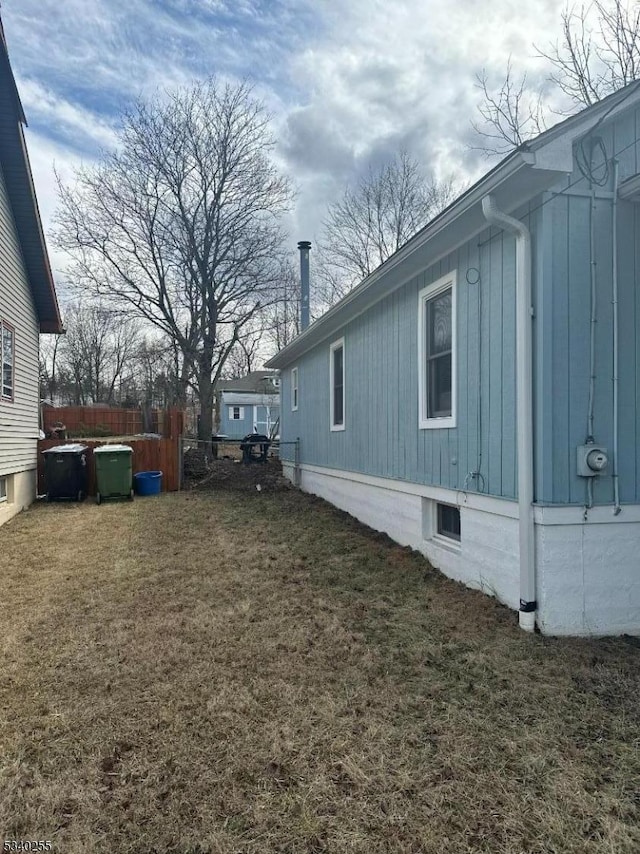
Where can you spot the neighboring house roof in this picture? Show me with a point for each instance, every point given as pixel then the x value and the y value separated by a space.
pixel 524 173
pixel 19 182
pixel 259 382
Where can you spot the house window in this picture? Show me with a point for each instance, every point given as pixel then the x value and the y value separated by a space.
pixel 337 385
pixel 7 357
pixel 236 413
pixel 437 350
pixel 3 488
pixel 448 522
pixel 294 389
pixel 275 381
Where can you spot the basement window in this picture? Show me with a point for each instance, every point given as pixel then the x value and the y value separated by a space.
pixel 448 522
pixel 3 488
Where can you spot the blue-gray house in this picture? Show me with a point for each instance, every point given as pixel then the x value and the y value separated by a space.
pixel 249 404
pixel 477 397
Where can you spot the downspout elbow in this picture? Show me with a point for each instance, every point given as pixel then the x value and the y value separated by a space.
pixel 524 406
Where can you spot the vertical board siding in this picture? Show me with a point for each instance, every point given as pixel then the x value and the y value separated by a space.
pixel 382 436
pixel 628 367
pixel 561 414
pixel 19 420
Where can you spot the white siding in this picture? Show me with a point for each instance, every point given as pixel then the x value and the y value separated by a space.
pixel 19 421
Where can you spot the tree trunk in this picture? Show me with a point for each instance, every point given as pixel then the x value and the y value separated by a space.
pixel 205 423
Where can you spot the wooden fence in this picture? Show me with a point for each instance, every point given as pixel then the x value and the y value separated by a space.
pixel 118 422
pixel 148 455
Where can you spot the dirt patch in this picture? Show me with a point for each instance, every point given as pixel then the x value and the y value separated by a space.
pixel 202 673
pixel 232 474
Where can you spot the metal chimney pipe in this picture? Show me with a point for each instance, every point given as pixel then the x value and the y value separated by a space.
pixel 304 246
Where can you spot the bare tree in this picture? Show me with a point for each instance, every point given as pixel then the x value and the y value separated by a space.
pixel 181 225
pixel 282 319
pixel 246 354
pixel 373 220
pixel 510 113
pixel 159 378
pixel 598 52
pixel 99 348
pixel 49 374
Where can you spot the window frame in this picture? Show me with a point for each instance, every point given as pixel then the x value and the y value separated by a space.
pixel 4 479
pixel 435 289
pixel 444 535
pixel 295 389
pixel 5 397
pixel 332 349
pixel 233 407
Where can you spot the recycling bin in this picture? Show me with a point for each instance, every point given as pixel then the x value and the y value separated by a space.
pixel 114 472
pixel 65 471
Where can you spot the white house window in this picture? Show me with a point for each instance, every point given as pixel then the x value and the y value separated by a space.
pixel 236 413
pixel 448 524
pixel 275 381
pixel 3 488
pixel 437 353
pixel 294 389
pixel 7 357
pixel 336 389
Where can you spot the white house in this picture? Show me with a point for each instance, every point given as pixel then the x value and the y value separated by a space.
pixel 28 303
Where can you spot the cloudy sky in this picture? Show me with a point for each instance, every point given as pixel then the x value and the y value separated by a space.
pixel 347 81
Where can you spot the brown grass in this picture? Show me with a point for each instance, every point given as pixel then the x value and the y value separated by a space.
pixel 259 673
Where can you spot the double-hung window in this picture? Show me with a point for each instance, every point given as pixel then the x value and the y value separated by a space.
pixel 437 353
pixel 236 413
pixel 294 389
pixel 7 358
pixel 336 389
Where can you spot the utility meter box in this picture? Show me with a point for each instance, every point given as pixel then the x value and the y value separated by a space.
pixel 592 460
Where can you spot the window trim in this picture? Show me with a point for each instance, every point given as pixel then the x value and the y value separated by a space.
pixel 295 391
pixel 232 408
pixel 5 397
pixel 433 290
pixel 4 498
pixel 333 426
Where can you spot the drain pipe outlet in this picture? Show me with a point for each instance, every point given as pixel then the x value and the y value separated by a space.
pixel 524 406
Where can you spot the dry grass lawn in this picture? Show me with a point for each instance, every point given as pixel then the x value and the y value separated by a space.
pixel 258 673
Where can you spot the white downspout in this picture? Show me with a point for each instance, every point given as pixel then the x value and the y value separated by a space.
pixel 616 346
pixel 524 406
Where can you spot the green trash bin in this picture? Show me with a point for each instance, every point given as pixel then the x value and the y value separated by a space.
pixel 114 472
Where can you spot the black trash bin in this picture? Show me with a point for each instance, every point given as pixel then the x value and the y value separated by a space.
pixel 65 471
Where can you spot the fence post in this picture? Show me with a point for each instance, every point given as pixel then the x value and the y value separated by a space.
pixel 180 441
pixel 296 463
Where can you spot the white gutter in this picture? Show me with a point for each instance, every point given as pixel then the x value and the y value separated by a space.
pixel 524 407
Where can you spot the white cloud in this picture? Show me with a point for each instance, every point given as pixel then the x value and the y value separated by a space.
pixel 83 128
pixel 48 158
pixel 349 80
